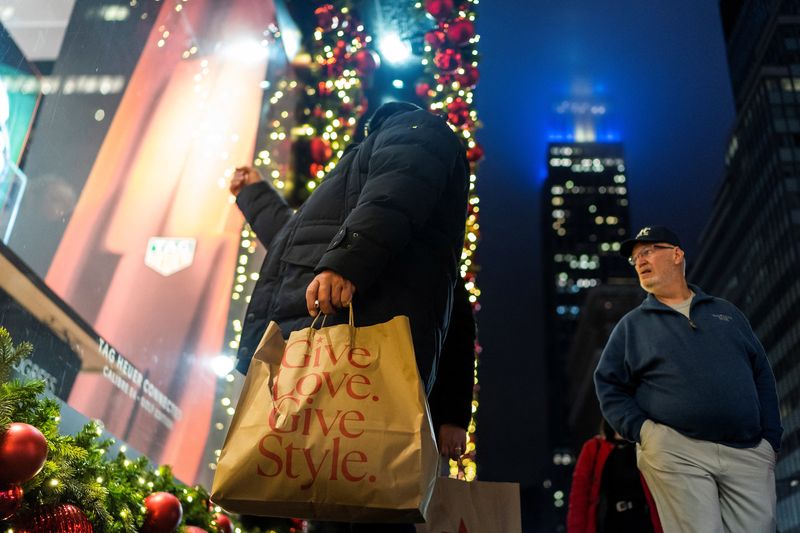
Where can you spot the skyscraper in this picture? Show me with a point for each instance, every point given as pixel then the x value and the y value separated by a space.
pixel 584 220
pixel 751 246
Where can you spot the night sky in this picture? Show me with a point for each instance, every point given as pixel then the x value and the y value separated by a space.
pixel 661 69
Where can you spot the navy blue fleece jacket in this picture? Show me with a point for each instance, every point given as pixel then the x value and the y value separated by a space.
pixel 706 377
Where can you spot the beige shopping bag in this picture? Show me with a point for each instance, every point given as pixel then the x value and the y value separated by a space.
pixel 334 426
pixel 475 507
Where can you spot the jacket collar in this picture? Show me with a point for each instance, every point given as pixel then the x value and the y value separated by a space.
pixel 651 303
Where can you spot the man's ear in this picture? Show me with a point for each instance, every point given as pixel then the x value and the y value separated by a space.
pixel 679 255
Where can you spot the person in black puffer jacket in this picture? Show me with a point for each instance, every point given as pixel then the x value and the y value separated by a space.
pixel 385 227
pixel 383 230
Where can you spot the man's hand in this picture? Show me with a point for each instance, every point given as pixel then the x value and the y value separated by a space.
pixel 327 292
pixel 452 441
pixel 242 177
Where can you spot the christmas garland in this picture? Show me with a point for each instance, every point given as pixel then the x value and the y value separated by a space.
pixel 53 482
pixel 450 62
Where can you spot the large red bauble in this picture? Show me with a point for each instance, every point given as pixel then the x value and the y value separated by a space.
pixel 164 513
pixel 447 60
pixel 63 518
pixel 224 524
pixel 422 89
pixel 23 451
pixel 457 111
pixel 475 153
pixel 439 9
pixel 435 38
pixel 460 31
pixel 366 61
pixel 10 498
pixel 470 77
pixel 320 150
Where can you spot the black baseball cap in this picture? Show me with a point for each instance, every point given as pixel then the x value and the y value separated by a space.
pixel 649 234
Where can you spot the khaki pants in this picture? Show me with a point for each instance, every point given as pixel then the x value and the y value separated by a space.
pixel 704 487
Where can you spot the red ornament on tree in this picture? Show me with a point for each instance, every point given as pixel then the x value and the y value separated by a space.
pixel 194 529
pixel 460 31
pixel 469 78
pixel 223 523
pixel 10 498
pixel 366 61
pixel 321 151
pixel 435 38
pixel 475 153
pixel 326 17
pixel 23 451
pixel 439 9
pixel 63 518
pixel 164 513
pixel 422 89
pixel 457 112
pixel 447 60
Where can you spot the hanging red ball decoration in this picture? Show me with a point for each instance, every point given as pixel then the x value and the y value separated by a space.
pixel 314 169
pixel 223 523
pixel 10 499
pixel 366 61
pixel 321 150
pixel 435 38
pixel 422 89
pixel 447 60
pixel 164 513
pixel 64 518
pixel 469 78
pixel 457 112
pixel 23 451
pixel 326 17
pixel 475 153
pixel 460 31
pixel 439 9
pixel 194 529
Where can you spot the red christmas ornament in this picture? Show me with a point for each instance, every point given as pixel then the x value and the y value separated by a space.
pixel 314 169
pixel 320 150
pixel 439 9
pixel 475 153
pixel 422 89
pixel 164 513
pixel 23 451
pixel 63 518
pixel 470 77
pixel 10 498
pixel 435 38
pixel 447 60
pixel 366 61
pixel 460 31
pixel 194 529
pixel 223 523
pixel 326 17
pixel 457 112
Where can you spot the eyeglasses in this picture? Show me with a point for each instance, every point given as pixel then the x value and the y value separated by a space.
pixel 645 252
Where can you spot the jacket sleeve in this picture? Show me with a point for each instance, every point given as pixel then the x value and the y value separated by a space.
pixel 615 386
pixel 264 209
pixel 451 397
pixel 771 427
pixel 581 491
pixel 412 158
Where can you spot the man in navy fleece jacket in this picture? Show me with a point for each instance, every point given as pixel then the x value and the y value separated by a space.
pixel 684 376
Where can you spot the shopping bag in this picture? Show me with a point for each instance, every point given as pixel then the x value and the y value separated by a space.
pixel 335 428
pixel 474 507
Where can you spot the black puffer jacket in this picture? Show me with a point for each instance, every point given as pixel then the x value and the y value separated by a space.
pixel 390 218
